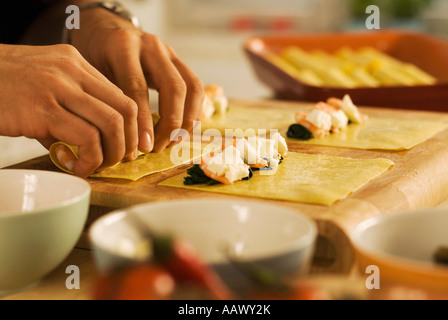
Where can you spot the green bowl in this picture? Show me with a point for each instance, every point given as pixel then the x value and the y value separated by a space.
pixel 42 215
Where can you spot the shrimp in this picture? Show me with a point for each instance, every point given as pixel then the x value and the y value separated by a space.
pixel 334 108
pixel 300 118
pixel 218 98
pixel 65 157
pixel 225 166
pixel 251 159
pixel 325 107
pixel 213 91
pixel 223 179
pixel 208 108
pixel 336 103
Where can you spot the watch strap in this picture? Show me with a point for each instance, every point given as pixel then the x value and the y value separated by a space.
pixel 111 6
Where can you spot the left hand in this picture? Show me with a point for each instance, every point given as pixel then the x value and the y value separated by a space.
pixel 135 61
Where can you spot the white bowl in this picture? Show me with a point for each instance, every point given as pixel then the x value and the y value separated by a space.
pixel 42 215
pixel 402 245
pixel 274 237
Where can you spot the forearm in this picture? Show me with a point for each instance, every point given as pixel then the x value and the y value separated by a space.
pixel 47 28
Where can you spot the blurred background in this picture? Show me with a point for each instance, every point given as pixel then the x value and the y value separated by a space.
pixel 209 35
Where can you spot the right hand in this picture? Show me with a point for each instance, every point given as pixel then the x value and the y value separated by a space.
pixel 51 93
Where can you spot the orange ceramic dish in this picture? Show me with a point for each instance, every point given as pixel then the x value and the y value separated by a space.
pixel 396 271
pixel 426 52
pixel 402 247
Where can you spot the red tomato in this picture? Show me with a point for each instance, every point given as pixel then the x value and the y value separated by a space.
pixel 186 267
pixel 139 282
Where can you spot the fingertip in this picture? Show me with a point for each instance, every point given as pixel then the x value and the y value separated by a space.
pixel 82 169
pixel 145 142
pixel 81 173
pixel 160 145
pixel 133 155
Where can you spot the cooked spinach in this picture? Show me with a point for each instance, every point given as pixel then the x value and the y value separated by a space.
pixel 298 131
pixel 197 176
pixel 250 174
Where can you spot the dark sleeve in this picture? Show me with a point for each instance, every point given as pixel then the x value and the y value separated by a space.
pixel 18 15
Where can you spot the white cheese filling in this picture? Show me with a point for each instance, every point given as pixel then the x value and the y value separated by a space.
pixel 208 108
pixel 248 152
pixel 280 144
pixel 233 162
pixel 265 149
pixel 320 119
pixel 339 119
pixel 220 104
pixel 350 109
pixel 228 163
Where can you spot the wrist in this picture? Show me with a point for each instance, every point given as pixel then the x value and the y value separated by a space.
pixel 95 12
pixel 114 7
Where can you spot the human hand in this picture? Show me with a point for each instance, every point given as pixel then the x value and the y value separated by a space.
pixel 52 93
pixel 135 61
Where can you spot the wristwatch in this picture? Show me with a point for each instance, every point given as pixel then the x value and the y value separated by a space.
pixel 112 6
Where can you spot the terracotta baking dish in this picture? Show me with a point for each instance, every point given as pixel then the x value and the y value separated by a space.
pixel 426 52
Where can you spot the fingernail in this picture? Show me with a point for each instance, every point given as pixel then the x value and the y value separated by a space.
pixel 145 142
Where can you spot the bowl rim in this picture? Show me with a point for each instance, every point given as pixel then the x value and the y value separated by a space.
pixel 65 203
pixel 119 214
pixel 404 262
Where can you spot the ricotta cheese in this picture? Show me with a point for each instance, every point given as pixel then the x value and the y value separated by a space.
pixel 320 119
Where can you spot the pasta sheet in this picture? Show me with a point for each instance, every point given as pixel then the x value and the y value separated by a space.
pixel 376 133
pixel 146 164
pixel 309 178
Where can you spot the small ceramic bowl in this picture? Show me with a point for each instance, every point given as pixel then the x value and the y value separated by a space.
pixel 42 215
pixel 270 236
pixel 403 247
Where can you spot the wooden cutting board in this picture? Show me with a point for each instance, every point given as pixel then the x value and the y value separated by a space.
pixel 418 179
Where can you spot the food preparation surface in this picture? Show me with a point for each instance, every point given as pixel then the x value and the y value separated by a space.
pixel 418 179
pixel 53 286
